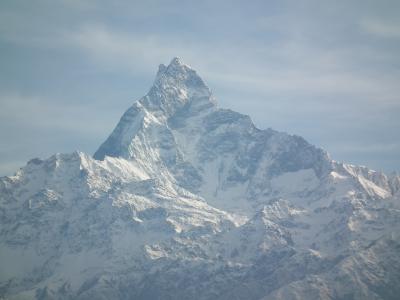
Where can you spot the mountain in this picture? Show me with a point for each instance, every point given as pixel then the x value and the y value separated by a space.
pixel 186 200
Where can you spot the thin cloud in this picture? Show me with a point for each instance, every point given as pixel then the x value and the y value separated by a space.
pixel 381 28
pixel 41 113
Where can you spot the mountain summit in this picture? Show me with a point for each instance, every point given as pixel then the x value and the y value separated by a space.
pixel 186 200
pixel 177 90
pixel 176 86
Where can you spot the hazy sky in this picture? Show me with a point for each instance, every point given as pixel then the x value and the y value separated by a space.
pixel 326 70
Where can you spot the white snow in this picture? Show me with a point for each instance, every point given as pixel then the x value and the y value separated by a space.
pixel 197 191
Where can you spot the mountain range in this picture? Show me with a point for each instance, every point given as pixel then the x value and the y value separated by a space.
pixel 186 200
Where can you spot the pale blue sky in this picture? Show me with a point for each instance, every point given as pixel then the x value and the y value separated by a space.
pixel 326 70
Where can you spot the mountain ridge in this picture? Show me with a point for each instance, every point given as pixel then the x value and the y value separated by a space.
pixel 188 200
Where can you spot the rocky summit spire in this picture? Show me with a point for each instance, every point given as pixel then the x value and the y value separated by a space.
pixel 176 69
pixel 176 85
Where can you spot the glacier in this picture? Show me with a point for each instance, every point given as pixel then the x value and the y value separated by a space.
pixel 186 200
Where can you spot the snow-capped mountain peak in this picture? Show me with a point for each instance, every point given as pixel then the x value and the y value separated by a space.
pixel 176 86
pixel 177 95
pixel 185 200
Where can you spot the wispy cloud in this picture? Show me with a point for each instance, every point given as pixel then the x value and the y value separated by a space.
pixel 41 114
pixel 382 28
pixel 118 49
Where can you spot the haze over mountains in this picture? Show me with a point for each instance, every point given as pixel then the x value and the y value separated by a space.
pixel 185 200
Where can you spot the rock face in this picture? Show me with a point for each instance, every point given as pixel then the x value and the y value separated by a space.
pixel 185 200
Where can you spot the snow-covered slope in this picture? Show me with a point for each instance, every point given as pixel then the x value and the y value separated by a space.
pixel 186 200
